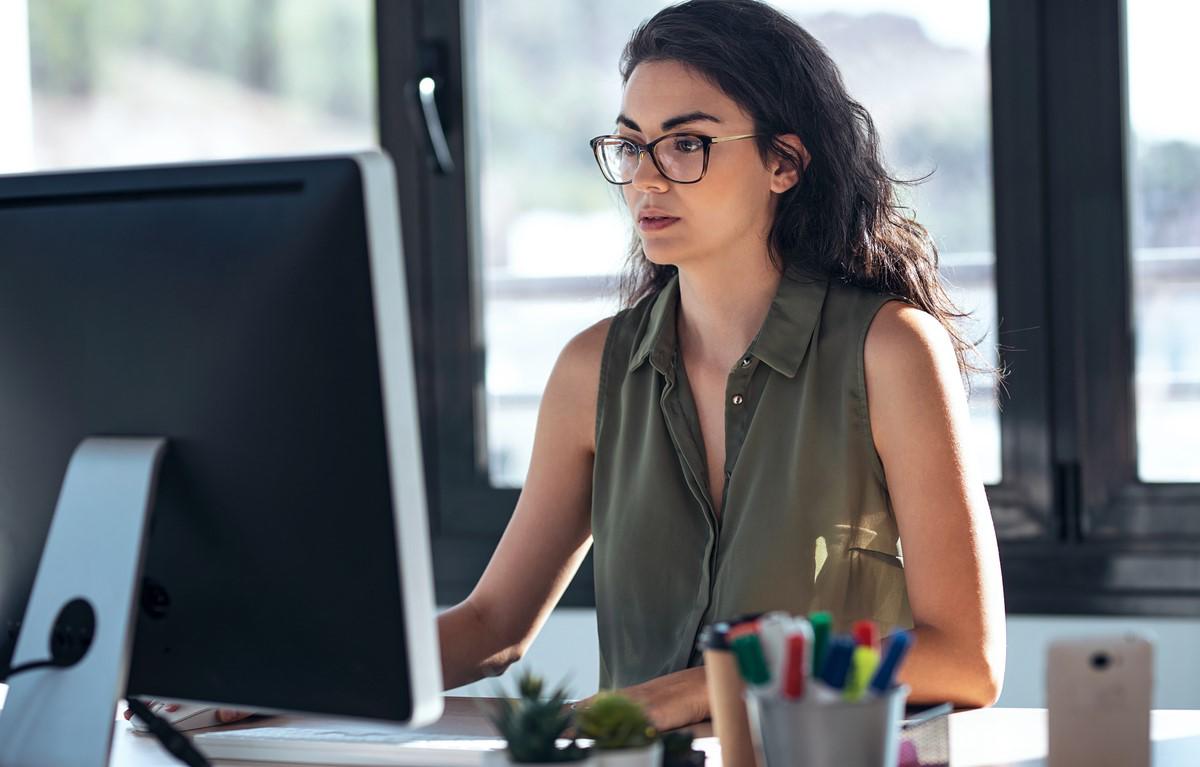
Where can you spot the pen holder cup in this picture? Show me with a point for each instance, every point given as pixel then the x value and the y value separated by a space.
pixel 726 700
pixel 807 733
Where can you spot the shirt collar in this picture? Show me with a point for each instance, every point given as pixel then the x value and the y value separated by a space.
pixel 657 334
pixel 781 343
pixel 791 321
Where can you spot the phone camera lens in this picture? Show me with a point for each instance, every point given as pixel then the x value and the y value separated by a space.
pixel 1100 661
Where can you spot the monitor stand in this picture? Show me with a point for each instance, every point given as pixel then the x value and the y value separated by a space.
pixel 92 559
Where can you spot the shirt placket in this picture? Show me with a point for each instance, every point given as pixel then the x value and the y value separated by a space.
pixel 740 397
pixel 739 407
pixel 683 428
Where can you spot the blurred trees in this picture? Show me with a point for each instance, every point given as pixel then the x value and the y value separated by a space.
pixel 298 50
pixel 547 81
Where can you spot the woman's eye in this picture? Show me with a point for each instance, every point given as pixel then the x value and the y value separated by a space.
pixel 687 145
pixel 626 149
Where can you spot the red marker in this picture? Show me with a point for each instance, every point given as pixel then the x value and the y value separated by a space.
pixel 794 667
pixel 866 634
pixel 750 627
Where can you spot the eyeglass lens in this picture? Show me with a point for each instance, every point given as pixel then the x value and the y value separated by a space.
pixel 680 158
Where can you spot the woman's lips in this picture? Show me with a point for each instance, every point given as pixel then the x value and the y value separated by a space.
pixel 655 223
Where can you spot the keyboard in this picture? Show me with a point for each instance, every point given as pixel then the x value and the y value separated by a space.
pixel 348 744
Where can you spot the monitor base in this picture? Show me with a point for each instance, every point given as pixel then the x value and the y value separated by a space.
pixel 94 552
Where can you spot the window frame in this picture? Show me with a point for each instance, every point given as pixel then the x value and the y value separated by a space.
pixel 1079 534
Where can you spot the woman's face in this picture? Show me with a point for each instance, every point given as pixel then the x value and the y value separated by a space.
pixel 729 211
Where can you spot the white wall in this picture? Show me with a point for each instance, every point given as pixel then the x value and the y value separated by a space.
pixel 566 650
pixel 16 104
pixel 1176 656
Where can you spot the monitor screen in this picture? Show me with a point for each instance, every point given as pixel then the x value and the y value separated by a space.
pixel 255 315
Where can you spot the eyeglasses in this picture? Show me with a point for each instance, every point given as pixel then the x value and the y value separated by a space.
pixel 679 157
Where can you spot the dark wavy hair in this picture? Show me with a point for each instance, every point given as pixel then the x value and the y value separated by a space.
pixel 842 219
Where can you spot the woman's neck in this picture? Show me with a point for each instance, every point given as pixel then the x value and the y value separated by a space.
pixel 722 305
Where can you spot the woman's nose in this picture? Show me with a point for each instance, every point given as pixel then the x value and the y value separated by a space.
pixel 646 175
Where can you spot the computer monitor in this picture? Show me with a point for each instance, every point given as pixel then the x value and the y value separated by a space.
pixel 253 314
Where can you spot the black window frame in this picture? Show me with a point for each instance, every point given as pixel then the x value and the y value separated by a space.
pixel 1079 534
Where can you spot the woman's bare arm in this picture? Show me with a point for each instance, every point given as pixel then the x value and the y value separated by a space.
pixel 920 423
pixel 549 532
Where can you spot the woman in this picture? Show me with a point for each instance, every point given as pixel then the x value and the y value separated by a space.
pixel 778 408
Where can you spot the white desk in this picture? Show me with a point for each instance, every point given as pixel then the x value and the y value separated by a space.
pixel 997 737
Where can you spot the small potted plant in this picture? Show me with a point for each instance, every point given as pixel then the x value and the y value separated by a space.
pixel 621 733
pixel 532 725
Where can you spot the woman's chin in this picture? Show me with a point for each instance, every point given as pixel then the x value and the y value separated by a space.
pixel 660 254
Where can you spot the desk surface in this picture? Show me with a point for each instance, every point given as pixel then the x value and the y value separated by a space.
pixel 995 737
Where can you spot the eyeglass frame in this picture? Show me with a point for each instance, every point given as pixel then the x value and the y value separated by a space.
pixel 648 148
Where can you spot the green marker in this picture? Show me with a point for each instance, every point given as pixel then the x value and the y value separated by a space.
pixel 822 626
pixel 748 650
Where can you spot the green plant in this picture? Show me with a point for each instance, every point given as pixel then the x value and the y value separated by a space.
pixel 614 721
pixel 533 723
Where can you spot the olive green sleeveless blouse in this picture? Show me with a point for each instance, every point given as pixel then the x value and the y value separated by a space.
pixel 805 522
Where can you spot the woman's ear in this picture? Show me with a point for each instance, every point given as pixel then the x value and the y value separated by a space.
pixel 785 174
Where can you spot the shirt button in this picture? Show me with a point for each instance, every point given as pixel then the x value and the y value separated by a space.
pixel 737 399
pixel 745 362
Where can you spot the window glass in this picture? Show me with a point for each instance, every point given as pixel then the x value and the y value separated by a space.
pixel 141 81
pixel 1164 185
pixel 550 237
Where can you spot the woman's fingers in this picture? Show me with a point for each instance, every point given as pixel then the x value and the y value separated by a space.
pixel 172 707
pixel 227 715
pixel 224 715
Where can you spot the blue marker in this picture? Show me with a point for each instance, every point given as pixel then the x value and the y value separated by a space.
pixel 837 661
pixel 893 656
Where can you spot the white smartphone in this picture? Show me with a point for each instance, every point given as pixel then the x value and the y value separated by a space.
pixel 1098 692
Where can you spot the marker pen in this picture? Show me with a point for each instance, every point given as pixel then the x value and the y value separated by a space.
pixel 862 668
pixel 772 633
pixel 866 634
pixel 795 666
pixel 753 666
pixel 822 627
pixel 893 656
pixel 837 663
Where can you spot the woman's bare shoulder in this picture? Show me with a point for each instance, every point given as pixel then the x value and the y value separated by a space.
pixel 583 352
pixel 905 342
pixel 573 389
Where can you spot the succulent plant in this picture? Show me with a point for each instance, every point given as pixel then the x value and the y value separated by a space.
pixel 614 721
pixel 533 723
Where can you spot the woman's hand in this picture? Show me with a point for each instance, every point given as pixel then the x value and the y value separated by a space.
pixel 671 701
pixel 224 715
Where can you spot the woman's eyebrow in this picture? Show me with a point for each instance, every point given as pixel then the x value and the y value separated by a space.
pixel 674 122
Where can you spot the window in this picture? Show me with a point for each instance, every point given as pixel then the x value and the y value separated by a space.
pixel 1165 221
pixel 1026 139
pixel 551 238
pixel 139 81
pixel 1065 214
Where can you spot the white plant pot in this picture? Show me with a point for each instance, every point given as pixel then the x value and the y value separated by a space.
pixel 499 758
pixel 647 756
